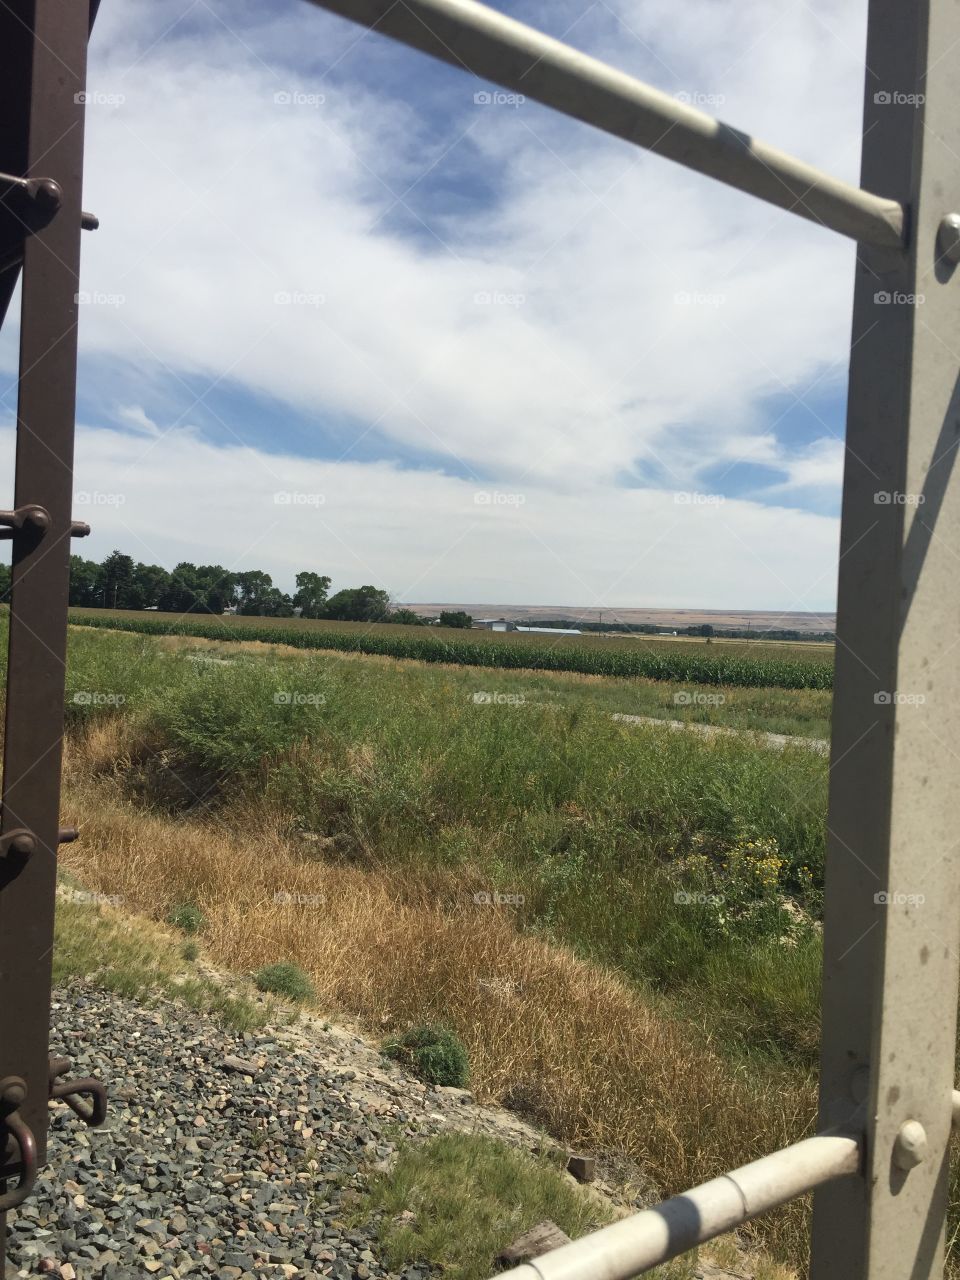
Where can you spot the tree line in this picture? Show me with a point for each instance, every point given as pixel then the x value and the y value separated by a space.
pixel 120 582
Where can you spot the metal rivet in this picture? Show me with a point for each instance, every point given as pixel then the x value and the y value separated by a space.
pixel 910 1148
pixel 949 237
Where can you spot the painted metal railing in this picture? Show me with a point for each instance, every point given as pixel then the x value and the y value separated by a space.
pixel 892 914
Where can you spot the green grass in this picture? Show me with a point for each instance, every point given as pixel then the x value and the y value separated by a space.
pixel 749 664
pixel 435 1054
pixel 471 1196
pixel 551 802
pixel 284 980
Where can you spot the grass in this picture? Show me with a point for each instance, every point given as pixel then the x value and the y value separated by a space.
pixel 749 663
pixel 394 766
pixel 285 980
pixel 470 1196
pixel 96 941
pixel 434 1054
pixel 802 712
pixel 537 878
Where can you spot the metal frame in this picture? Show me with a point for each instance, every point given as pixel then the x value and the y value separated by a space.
pixel 44 43
pixel 892 925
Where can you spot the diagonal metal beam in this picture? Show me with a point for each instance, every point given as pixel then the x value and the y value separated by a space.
pixel 485 42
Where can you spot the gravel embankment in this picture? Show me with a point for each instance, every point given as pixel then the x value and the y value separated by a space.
pixel 204 1169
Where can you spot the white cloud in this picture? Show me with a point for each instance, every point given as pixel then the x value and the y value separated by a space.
pixel 606 315
pixel 430 536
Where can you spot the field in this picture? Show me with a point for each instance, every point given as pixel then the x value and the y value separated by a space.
pixel 747 664
pixel 620 921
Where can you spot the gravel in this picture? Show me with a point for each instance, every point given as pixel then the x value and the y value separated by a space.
pixel 224 1154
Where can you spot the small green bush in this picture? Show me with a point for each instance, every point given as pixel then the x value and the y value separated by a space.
pixel 285 980
pixel 190 951
pixel 435 1055
pixel 186 916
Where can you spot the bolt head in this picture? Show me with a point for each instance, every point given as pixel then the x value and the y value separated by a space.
pixel 910 1147
pixel 23 843
pixel 13 1091
pixel 48 193
pixel 948 238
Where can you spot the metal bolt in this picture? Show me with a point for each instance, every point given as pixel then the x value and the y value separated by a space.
pixel 47 194
pixel 23 843
pixel 13 1091
pixel 949 237
pixel 910 1148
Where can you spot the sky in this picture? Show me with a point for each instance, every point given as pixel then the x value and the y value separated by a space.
pixel 353 311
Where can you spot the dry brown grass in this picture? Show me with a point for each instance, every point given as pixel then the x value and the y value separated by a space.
pixel 568 1042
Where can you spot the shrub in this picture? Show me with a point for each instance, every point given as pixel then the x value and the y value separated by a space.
pixel 190 951
pixel 435 1055
pixel 284 980
pixel 186 916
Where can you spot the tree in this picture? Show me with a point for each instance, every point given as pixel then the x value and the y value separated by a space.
pixel 4 583
pixel 311 594
pixel 455 618
pixel 149 583
pixel 115 582
pixel 84 583
pixel 251 589
pixel 358 604
pixel 407 617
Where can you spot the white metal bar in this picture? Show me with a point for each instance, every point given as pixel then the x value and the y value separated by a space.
pixel 892 925
pixel 656 1235
pixel 490 45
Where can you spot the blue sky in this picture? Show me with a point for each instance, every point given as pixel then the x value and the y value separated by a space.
pixel 343 315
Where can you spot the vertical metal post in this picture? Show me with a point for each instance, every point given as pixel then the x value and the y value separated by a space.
pixel 43 46
pixel 892 922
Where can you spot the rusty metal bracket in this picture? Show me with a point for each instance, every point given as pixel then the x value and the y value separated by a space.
pixel 69 1091
pixel 34 519
pixel 20 1147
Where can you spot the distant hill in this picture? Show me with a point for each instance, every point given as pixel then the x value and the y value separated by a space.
pixel 754 619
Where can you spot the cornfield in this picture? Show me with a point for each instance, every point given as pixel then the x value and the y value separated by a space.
pixel 751 664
